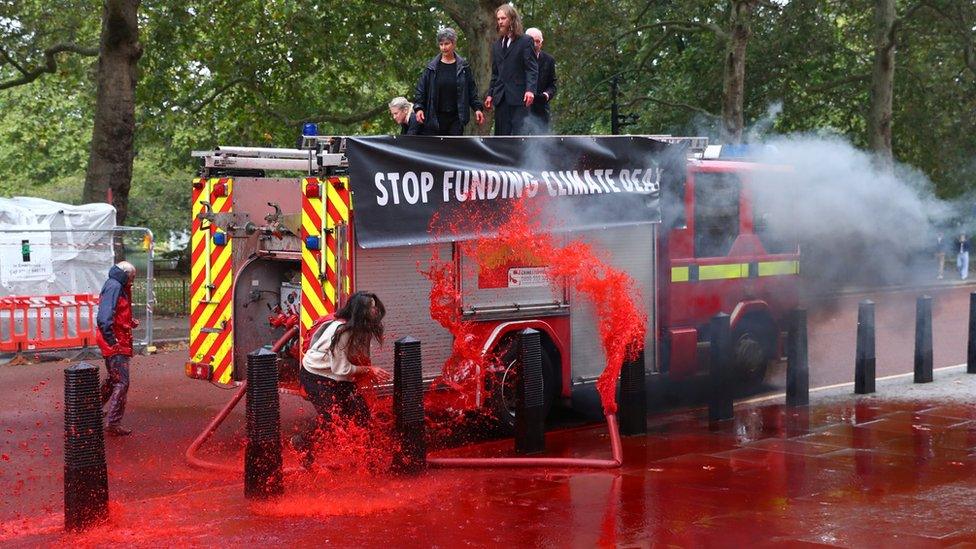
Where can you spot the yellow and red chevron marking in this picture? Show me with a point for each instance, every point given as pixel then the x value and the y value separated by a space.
pixel 319 291
pixel 211 329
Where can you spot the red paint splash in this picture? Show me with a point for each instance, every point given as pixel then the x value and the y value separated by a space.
pixel 519 236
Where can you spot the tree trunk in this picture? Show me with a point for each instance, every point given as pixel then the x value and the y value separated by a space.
pixel 111 153
pixel 734 76
pixel 882 81
pixel 477 19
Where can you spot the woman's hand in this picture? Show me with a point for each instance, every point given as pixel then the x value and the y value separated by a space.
pixel 479 117
pixel 420 117
pixel 374 375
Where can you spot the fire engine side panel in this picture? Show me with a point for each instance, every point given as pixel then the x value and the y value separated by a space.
pixel 392 274
pixel 630 249
pixel 211 279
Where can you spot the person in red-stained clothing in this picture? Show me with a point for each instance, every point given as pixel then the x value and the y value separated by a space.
pixel 115 323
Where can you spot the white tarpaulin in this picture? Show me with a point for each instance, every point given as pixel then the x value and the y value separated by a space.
pixel 71 254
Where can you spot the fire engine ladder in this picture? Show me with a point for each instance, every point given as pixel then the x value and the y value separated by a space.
pixel 309 160
pixel 696 145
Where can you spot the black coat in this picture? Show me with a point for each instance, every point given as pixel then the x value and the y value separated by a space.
pixel 546 84
pixel 513 71
pixel 425 98
pixel 412 127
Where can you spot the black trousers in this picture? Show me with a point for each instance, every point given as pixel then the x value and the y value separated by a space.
pixel 449 123
pixel 510 119
pixel 538 122
pixel 332 400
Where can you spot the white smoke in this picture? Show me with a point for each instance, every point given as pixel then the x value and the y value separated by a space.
pixel 858 223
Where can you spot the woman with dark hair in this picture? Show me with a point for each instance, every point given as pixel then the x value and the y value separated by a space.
pixel 337 358
pixel 446 92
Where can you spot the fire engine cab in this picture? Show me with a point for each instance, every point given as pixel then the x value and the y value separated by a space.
pixel 277 241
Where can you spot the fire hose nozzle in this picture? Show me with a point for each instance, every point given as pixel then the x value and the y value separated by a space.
pixel 274 218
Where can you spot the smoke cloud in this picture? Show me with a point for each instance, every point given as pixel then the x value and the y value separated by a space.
pixel 858 225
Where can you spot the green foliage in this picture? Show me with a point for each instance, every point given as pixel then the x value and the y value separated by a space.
pixel 248 72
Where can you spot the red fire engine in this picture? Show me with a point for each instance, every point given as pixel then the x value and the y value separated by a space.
pixel 264 239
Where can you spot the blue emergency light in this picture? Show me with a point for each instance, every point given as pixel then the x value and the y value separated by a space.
pixel 312 242
pixel 220 238
pixel 310 128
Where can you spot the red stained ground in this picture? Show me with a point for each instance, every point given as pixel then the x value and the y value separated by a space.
pixel 865 473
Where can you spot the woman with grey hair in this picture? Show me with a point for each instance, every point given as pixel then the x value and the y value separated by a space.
pixel 401 110
pixel 446 91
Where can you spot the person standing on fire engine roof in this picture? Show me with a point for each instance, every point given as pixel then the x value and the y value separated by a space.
pixel 514 73
pixel 114 337
pixel 401 110
pixel 962 256
pixel 545 90
pixel 336 361
pixel 446 90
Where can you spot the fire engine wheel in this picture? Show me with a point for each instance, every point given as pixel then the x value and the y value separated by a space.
pixel 751 351
pixel 504 382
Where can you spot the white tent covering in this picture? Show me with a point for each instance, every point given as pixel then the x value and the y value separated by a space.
pixel 50 248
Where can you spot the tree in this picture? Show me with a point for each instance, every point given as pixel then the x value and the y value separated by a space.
pixel 113 134
pixel 882 81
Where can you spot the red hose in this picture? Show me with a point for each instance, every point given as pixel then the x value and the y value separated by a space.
pixel 615 449
pixel 191 458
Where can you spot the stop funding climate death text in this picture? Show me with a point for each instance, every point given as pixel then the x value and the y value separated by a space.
pixel 466 185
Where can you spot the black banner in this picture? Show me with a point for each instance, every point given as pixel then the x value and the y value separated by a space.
pixel 399 183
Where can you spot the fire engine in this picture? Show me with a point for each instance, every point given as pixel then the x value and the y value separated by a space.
pixel 276 230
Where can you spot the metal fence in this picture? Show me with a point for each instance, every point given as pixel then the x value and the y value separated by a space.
pixel 172 295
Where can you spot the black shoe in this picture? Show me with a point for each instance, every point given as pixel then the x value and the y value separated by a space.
pixel 117 431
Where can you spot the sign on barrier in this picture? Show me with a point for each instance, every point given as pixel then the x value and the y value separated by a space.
pixel 29 323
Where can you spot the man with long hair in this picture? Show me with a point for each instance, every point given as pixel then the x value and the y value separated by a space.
pixel 514 73
pixel 336 359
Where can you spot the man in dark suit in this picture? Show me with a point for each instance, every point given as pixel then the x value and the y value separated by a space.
pixel 545 89
pixel 514 73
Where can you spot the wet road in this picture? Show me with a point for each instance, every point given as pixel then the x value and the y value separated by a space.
pixel 848 472
pixel 832 328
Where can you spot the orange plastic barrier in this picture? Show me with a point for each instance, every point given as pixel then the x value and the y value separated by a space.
pixel 29 323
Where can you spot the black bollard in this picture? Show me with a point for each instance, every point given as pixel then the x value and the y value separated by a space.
pixel 408 407
pixel 529 398
pixel 632 412
pixel 797 366
pixel 923 339
pixel 864 361
pixel 262 456
pixel 85 471
pixel 971 346
pixel 720 366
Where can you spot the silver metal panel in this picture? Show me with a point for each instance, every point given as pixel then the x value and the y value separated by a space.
pixel 393 274
pixel 632 250
pixel 475 298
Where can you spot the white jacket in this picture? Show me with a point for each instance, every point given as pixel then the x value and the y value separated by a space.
pixel 319 360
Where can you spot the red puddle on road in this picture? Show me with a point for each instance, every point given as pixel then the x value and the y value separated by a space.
pixel 871 473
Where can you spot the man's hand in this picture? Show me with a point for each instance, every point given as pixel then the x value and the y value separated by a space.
pixel 488 103
pixel 546 95
pixel 529 98
pixel 479 117
pixel 420 117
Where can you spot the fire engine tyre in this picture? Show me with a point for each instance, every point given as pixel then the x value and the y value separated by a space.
pixel 503 387
pixel 752 349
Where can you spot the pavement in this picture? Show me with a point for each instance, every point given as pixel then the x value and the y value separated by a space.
pixel 894 468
